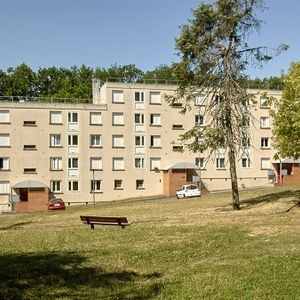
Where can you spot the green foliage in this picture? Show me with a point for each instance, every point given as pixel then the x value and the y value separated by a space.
pixel 286 121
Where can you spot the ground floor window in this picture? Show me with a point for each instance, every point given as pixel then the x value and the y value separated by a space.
pixel 96 185
pixel 55 186
pixel 73 186
pixel 140 184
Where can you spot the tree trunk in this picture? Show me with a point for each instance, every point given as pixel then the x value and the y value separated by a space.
pixel 234 183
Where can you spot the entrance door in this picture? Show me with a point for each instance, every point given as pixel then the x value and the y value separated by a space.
pixel 23 194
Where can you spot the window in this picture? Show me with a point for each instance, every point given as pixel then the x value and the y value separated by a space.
pixel 199 100
pixel 29 170
pixel 117 96
pixel 96 185
pixel 155 98
pixel 117 118
pixel 29 147
pixel 220 163
pixel 4 116
pixel 4 163
pixel 73 140
pixel 199 120
pixel 55 140
pixel 155 141
pixel 246 162
pixel 95 118
pixel 139 184
pixel 4 140
pixel 118 184
pixel 264 102
pixel 96 163
pixel 73 186
pixel 177 126
pixel 73 162
pixel 177 148
pixel 29 123
pixel 95 140
pixel 118 141
pixel 73 117
pixel 139 118
pixel 155 163
pixel 55 163
pixel 139 163
pixel 265 163
pixel 176 104
pixel 55 117
pixel 4 187
pixel 199 162
pixel 139 140
pixel 55 186
pixel 264 142
pixel 155 120
pixel 139 96
pixel 118 163
pixel 264 122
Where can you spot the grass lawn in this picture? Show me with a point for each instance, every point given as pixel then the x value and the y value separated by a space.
pixel 176 249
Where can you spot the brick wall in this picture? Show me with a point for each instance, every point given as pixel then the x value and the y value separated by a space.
pixel 37 201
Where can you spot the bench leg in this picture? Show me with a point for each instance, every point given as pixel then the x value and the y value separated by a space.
pixel 92 226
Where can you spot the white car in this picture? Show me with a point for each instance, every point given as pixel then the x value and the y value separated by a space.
pixel 188 190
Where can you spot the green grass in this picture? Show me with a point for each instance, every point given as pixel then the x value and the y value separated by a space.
pixel 176 249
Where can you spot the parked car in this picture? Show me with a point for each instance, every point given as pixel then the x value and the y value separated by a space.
pixel 56 204
pixel 188 190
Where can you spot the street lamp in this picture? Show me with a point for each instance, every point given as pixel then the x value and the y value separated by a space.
pixel 93 185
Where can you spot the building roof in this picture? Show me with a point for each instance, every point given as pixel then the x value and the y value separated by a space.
pixel 29 184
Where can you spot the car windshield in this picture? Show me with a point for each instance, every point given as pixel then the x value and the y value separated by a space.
pixel 192 187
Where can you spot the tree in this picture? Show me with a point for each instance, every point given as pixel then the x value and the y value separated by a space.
pixel 214 54
pixel 286 121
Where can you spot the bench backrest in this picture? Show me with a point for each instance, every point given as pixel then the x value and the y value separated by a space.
pixel 122 220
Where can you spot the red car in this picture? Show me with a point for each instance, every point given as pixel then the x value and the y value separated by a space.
pixel 56 204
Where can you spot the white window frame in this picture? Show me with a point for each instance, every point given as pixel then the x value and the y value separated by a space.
pixel 55 117
pixel 73 117
pixel 55 163
pixel 220 163
pixel 199 122
pixel 73 163
pixel 155 98
pixel 95 140
pixel 246 162
pixel 155 141
pixel 118 141
pixel 139 140
pixel 4 140
pixel 118 164
pixel 117 96
pixel 265 163
pixel 4 116
pixel 4 163
pixel 155 119
pixel 139 97
pixel 201 161
pixel 96 163
pixel 4 187
pixel 140 184
pixel 118 184
pixel 264 102
pixel 265 143
pixel 118 118
pixel 155 163
pixel 199 99
pixel 56 186
pixel 139 162
pixel 139 119
pixel 55 140
pixel 95 118
pixel 73 140
pixel 96 186
pixel 73 186
pixel 264 122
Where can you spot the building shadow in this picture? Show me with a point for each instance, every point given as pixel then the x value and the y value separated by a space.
pixel 66 275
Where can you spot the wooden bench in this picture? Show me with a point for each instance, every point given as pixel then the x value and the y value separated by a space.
pixel 94 220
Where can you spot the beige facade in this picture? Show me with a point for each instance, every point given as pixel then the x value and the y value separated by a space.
pixel 123 145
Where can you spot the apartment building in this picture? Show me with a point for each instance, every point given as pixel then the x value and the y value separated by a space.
pixel 124 144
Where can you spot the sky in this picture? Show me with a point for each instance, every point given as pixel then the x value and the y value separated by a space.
pixel 100 33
